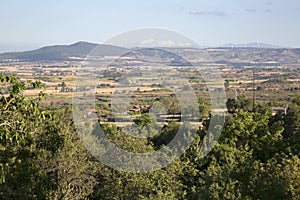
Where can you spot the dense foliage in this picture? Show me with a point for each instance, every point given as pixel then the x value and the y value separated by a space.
pixel 257 156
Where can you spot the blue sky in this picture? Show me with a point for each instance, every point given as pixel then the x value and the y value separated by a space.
pixel 35 23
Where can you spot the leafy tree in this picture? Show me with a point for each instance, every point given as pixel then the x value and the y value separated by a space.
pixel 146 120
pixel 204 107
pixel 21 124
pixel 41 155
pixel 241 103
pixel 279 178
pixel 165 135
pixel 292 125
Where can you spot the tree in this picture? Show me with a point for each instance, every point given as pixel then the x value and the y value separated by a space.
pixel 278 178
pixel 227 84
pixel 41 155
pixel 21 124
pixel 146 120
pixel 63 87
pixel 204 107
pixel 292 124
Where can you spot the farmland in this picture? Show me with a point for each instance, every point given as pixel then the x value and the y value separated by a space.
pixel 141 104
pixel 271 80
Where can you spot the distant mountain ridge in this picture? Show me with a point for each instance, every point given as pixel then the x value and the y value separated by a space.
pixel 62 52
pixel 80 50
pixel 252 45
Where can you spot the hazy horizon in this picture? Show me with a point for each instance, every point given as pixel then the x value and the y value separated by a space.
pixel 7 49
pixel 32 24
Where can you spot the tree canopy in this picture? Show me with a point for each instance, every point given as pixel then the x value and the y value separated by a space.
pixel 42 157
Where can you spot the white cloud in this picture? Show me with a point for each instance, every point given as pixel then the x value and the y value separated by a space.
pixel 214 13
pixel 163 43
pixel 251 10
pixel 269 3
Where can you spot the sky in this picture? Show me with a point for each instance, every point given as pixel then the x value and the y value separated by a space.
pixel 31 24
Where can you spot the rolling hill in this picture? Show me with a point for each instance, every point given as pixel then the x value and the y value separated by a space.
pixel 63 52
pixel 224 55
